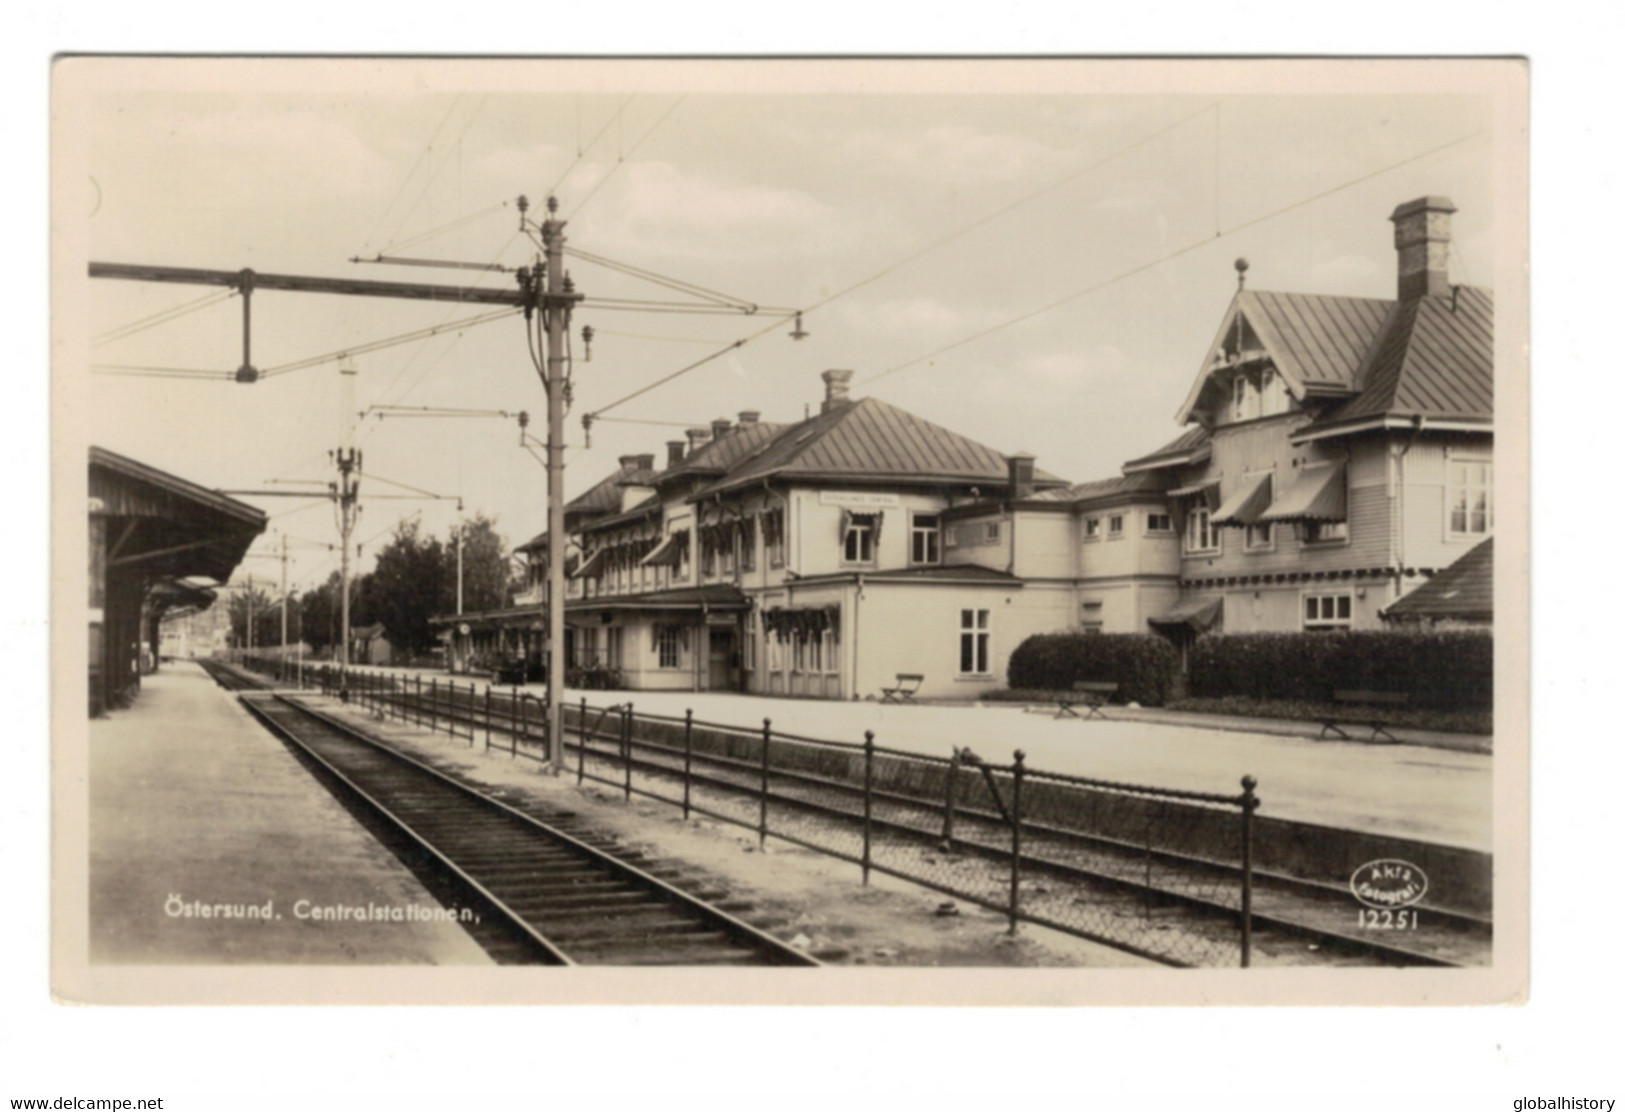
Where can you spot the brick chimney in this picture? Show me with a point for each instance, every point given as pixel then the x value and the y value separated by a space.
pixel 837 385
pixel 646 462
pixel 1021 474
pixel 719 428
pixel 1422 238
pixel 749 416
pixel 674 452
pixel 697 438
pixel 629 463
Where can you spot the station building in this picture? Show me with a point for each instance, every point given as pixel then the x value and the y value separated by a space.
pixel 1336 455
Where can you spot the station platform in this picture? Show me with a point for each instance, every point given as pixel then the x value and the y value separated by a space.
pixel 210 844
pixel 1418 792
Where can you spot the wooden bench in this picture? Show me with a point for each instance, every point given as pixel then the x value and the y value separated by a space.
pixel 1088 694
pixel 907 684
pixel 1335 723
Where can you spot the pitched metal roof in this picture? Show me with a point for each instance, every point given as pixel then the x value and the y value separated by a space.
pixel 1436 358
pixel 604 496
pixel 1115 487
pixel 1192 446
pixel 1464 591
pixel 715 457
pixel 871 440
pixel 1314 338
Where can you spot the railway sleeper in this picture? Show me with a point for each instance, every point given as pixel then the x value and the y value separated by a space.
pixel 548 911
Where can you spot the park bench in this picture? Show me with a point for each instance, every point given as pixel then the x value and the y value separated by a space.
pixel 1088 694
pixel 1357 699
pixel 907 684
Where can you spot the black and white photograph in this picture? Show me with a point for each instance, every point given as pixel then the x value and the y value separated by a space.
pixel 828 531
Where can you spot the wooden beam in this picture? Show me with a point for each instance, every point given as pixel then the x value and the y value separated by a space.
pixel 142 556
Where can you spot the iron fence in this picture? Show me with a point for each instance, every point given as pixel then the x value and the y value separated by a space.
pixel 1160 872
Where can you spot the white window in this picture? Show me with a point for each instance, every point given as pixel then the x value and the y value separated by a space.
pixel 1260 537
pixel 668 646
pixel 1470 497
pixel 1091 529
pixel 992 534
pixel 860 542
pixel 1275 397
pixel 1114 526
pixel 747 544
pixel 925 536
pixel 1327 611
pixel 1244 399
pixel 1201 535
pixel 974 631
pixel 612 650
pixel 1325 532
pixel 1159 523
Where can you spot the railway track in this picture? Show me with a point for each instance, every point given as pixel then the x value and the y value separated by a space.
pixel 1289 914
pixel 559 899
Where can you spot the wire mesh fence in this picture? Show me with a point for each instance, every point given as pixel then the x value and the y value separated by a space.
pixel 1155 871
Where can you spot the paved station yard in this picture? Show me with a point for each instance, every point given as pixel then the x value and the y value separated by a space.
pixel 1410 791
pixel 211 844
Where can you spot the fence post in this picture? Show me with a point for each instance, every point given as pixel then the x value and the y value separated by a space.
pixel 761 821
pixel 948 809
pixel 522 726
pixel 868 798
pixel 581 741
pixel 1017 772
pixel 487 718
pixel 626 746
pixel 688 756
pixel 1249 804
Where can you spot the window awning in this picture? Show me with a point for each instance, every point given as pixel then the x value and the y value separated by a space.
pixel 1247 502
pixel 1207 490
pixel 593 567
pixel 1195 613
pixel 1320 494
pixel 668 552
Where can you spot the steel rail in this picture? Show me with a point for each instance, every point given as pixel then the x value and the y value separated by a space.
pixel 774 951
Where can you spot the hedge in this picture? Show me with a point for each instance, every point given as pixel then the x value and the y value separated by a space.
pixel 1450 670
pixel 1143 665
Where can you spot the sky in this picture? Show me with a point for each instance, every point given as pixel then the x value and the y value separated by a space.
pixel 1036 257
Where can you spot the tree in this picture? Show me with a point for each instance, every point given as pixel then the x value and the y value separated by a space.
pixel 407 586
pixel 319 614
pixel 485 565
pixel 267 618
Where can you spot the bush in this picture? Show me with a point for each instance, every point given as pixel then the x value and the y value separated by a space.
pixel 1449 670
pixel 1143 665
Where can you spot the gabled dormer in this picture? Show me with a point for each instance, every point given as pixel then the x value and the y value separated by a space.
pixel 1278 353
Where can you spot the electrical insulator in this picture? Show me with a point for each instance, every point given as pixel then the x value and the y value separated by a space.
pixel 798 333
pixel 586 340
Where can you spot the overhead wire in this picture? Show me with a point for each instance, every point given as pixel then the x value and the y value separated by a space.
pixel 1168 257
pixel 621 159
pixel 163 316
pixel 410 174
pixel 130 370
pixel 582 151
pixel 905 260
pixel 388 342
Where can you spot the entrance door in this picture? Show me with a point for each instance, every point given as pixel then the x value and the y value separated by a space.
pixel 719 673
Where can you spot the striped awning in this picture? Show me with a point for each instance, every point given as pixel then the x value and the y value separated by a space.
pixel 1247 502
pixel 669 551
pixel 1199 614
pixel 1320 494
pixel 593 567
pixel 1202 487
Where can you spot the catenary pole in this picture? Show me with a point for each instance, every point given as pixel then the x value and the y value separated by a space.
pixel 556 315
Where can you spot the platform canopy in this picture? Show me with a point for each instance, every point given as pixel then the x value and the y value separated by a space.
pixel 166 527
